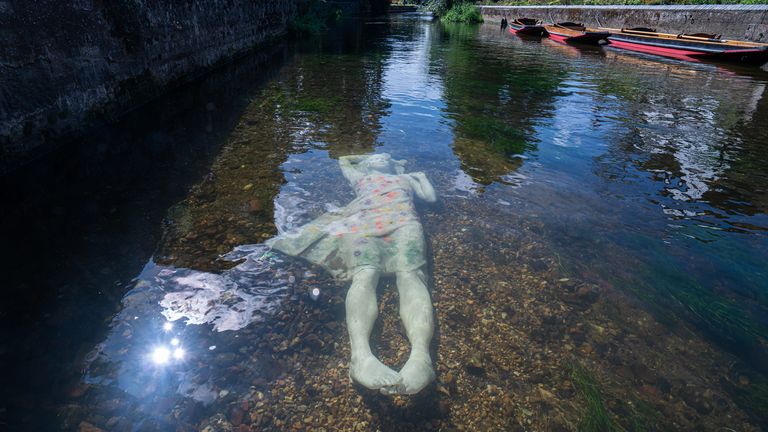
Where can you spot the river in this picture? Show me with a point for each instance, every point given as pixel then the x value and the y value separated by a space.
pixel 596 257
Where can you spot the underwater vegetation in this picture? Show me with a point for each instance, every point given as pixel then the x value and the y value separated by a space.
pixel 497 134
pixel 319 105
pixel 630 414
pixel 721 317
pixel 595 417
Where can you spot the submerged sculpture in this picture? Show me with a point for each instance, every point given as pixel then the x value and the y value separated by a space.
pixel 378 233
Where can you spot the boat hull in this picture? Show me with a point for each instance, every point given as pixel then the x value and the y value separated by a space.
pixel 690 52
pixel 528 30
pixel 588 38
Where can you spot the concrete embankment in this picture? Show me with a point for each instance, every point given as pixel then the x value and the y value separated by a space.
pixel 744 22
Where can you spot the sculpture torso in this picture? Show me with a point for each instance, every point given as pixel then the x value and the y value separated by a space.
pixel 379 229
pixel 384 203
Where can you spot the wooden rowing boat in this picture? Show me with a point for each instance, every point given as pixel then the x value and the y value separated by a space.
pixel 569 32
pixel 691 47
pixel 527 26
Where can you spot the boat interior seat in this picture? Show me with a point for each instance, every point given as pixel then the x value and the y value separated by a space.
pixel 527 21
pixel 572 25
pixel 710 36
pixel 704 35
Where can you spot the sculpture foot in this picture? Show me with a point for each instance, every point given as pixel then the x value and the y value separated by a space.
pixel 369 372
pixel 417 373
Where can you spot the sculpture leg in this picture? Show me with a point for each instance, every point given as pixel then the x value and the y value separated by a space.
pixel 362 310
pixel 416 313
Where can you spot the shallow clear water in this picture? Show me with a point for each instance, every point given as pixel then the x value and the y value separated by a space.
pixel 599 211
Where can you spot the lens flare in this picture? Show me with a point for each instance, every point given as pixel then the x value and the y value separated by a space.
pixel 315 293
pixel 168 326
pixel 175 342
pixel 161 355
pixel 178 354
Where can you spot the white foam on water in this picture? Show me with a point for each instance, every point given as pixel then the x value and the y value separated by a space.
pixel 230 300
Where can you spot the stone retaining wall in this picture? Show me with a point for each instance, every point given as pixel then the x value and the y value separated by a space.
pixel 63 63
pixel 744 22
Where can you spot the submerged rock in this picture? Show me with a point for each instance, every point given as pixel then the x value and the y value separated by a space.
pixel 475 365
pixel 87 427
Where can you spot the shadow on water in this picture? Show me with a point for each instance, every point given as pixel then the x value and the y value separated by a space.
pixel 164 150
pixel 79 223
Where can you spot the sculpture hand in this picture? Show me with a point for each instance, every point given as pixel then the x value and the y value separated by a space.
pixel 423 187
pixel 352 158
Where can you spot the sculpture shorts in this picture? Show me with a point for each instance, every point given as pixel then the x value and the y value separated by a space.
pixel 401 250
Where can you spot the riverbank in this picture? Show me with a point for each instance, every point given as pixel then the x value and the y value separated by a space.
pixel 742 22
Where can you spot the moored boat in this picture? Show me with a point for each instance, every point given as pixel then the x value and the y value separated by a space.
pixel 569 32
pixel 527 26
pixel 691 47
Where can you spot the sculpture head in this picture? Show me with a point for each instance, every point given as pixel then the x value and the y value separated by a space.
pixel 382 163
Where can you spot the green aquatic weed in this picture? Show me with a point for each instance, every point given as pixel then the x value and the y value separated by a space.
pixel 313 104
pixel 595 418
pixel 754 395
pixel 643 417
pixel 499 136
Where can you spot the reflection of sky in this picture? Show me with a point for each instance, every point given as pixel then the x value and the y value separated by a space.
pixel 576 130
pixel 573 122
pixel 415 126
pixel 691 135
pixel 574 115
pixel 639 172
pixel 673 151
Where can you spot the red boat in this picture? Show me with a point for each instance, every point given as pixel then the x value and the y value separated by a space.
pixel 527 26
pixel 691 47
pixel 569 32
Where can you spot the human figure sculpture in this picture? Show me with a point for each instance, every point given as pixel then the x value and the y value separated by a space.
pixel 378 233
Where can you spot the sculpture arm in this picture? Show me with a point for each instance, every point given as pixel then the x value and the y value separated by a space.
pixel 348 168
pixel 422 186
